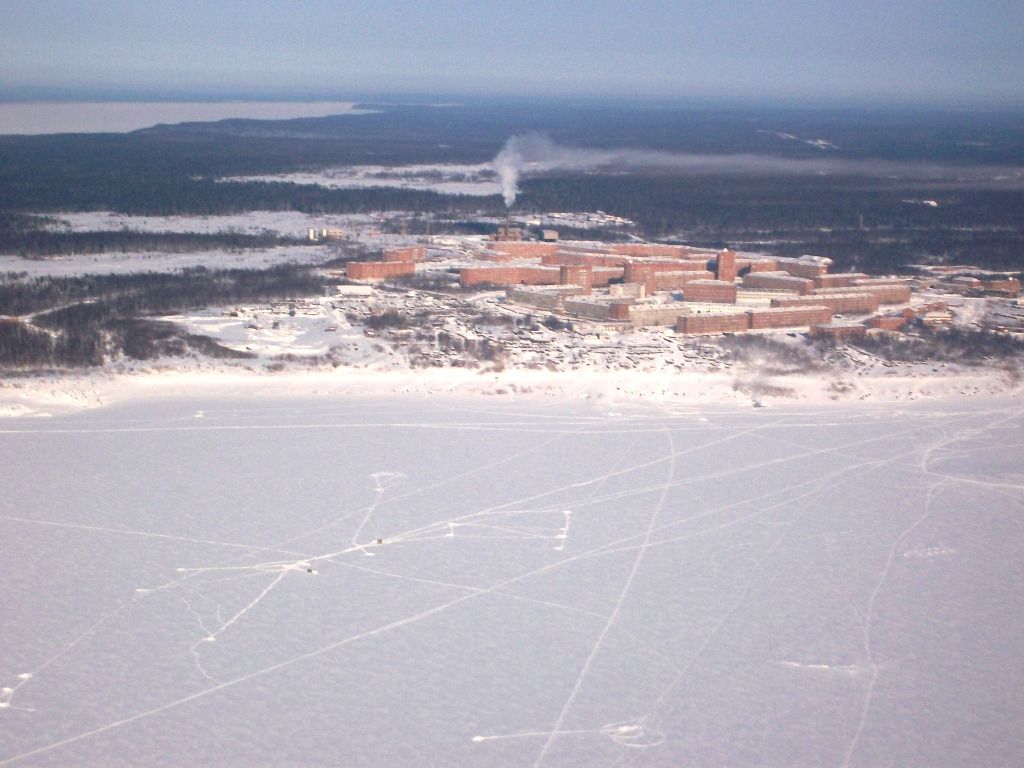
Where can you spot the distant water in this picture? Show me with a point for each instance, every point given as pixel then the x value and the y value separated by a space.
pixel 120 117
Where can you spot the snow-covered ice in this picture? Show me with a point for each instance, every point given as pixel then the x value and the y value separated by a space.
pixel 40 117
pixel 224 578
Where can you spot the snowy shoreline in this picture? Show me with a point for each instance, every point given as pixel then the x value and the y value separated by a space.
pixel 51 394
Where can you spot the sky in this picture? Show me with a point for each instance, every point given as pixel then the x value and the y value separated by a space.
pixel 939 51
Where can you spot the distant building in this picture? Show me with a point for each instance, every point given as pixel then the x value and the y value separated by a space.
pixel 508 233
pixel 725 266
pixel 318 235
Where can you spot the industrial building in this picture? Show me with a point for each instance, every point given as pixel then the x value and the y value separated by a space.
pixel 694 290
pixel 379 270
pixel 970 280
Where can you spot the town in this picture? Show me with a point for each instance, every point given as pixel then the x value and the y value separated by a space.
pixel 696 291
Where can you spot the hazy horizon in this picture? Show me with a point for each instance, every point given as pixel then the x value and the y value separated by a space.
pixel 13 94
pixel 941 53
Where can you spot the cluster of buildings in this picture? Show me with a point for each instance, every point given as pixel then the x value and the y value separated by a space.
pixel 394 262
pixel 695 290
pixel 971 281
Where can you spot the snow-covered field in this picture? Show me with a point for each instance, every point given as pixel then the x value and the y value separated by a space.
pixel 313 330
pixel 284 223
pixel 232 577
pixel 451 179
pixel 297 224
pixel 159 261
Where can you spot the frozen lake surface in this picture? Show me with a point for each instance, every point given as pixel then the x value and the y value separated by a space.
pixel 405 582
pixel 41 117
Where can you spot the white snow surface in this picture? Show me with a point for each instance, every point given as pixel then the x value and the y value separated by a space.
pixel 447 178
pixel 367 369
pixel 267 575
pixel 125 262
pixel 289 223
pixel 298 224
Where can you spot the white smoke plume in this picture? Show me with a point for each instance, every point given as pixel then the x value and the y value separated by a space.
pixel 507 165
pixel 536 154
pixel 533 153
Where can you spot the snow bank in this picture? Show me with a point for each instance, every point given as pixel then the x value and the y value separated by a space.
pixel 47 395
